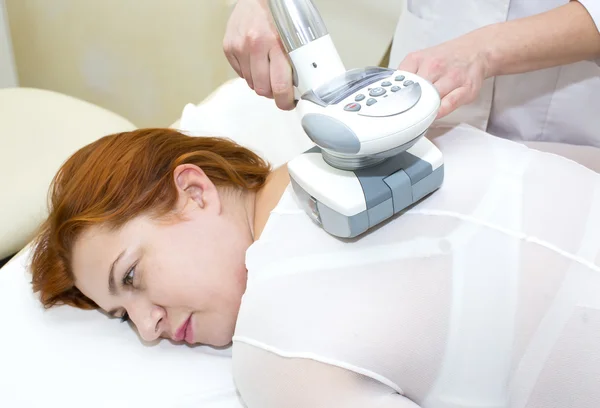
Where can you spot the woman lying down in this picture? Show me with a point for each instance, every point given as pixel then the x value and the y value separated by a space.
pixel 485 294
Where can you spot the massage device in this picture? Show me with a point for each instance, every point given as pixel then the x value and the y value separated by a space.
pixel 371 159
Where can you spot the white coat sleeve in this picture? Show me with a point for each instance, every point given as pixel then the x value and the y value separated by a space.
pixel 266 380
pixel 593 7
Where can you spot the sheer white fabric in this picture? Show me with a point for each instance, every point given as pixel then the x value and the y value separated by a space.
pixel 486 294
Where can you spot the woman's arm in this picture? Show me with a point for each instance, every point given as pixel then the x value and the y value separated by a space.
pixel 266 380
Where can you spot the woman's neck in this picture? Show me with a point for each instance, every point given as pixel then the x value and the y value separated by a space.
pixel 268 196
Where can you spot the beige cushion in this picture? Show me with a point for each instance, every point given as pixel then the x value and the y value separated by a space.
pixel 39 130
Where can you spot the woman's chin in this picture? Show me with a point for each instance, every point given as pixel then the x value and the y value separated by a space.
pixel 225 341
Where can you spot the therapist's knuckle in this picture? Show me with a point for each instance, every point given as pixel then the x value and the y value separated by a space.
pixel 271 39
pixel 437 65
pixel 452 102
pixel 228 46
pixel 456 76
pixel 255 40
pixel 469 83
pixel 236 47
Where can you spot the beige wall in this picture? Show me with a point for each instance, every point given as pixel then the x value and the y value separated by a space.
pixel 145 59
pixel 8 77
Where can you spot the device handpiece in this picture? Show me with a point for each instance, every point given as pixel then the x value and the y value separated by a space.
pixel 313 55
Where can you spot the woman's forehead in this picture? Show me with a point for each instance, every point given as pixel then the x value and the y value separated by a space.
pixel 93 253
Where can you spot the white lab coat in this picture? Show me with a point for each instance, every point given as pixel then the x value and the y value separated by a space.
pixel 559 104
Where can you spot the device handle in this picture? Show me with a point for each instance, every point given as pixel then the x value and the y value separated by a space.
pixel 298 22
pixel 313 56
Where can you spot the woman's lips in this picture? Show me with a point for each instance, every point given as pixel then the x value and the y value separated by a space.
pixel 189 331
pixel 185 331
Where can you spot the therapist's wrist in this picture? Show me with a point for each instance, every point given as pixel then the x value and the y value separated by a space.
pixel 560 36
pixel 488 48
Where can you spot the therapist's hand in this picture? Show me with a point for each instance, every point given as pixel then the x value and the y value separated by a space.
pixel 254 50
pixel 457 69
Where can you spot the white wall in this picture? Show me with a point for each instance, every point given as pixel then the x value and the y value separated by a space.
pixel 142 59
pixel 8 75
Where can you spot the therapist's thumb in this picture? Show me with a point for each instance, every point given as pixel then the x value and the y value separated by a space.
pixel 281 79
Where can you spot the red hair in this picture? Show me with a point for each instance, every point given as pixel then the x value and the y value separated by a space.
pixel 117 178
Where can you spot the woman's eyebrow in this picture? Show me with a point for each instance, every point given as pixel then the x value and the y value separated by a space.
pixel 112 287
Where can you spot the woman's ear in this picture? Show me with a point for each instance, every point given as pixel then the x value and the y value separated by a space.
pixel 193 185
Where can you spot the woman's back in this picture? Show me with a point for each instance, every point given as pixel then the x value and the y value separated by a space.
pixel 486 294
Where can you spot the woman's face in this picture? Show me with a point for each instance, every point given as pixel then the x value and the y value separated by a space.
pixel 181 278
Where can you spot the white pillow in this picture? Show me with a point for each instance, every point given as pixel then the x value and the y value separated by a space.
pixel 66 357
pixel 253 121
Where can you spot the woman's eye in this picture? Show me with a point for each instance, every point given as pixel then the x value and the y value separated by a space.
pixel 128 278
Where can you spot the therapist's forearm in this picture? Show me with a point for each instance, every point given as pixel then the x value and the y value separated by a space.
pixel 560 36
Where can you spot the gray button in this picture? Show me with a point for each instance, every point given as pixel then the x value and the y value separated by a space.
pixel 377 91
pixel 408 83
pixel 352 107
pixel 359 97
pixel 395 88
pixel 386 83
pixel 371 101
pixel 404 100
pixel 400 78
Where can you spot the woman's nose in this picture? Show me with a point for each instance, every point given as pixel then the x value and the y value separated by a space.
pixel 149 320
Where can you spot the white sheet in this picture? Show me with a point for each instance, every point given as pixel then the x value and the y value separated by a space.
pixel 66 357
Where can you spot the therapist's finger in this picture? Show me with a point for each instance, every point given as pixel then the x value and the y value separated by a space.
pixel 446 84
pixel 235 64
pixel 281 79
pixel 245 67
pixel 453 100
pixel 433 69
pixel 229 50
pixel 259 68
pixel 410 63
pixel 432 75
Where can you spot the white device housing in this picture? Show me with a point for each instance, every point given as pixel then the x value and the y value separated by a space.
pixel 371 160
pixel 315 63
pixel 404 111
pixel 341 190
